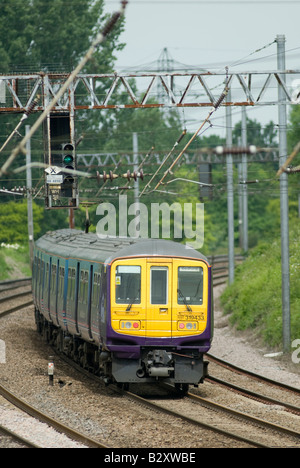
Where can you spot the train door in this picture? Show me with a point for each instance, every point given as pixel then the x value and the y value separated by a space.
pixel 46 290
pixel 90 292
pixel 159 299
pixel 190 299
pixel 76 298
pixel 53 292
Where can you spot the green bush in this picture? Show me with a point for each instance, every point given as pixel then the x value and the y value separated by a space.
pixel 13 222
pixel 14 263
pixel 254 299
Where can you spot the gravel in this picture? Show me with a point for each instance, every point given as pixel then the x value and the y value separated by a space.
pixel 245 350
pixel 96 410
pixel 29 428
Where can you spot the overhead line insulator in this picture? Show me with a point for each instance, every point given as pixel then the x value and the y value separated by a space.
pixel 220 150
pixel 128 175
pixel 292 170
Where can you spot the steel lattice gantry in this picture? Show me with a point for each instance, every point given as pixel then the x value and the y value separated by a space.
pixel 255 88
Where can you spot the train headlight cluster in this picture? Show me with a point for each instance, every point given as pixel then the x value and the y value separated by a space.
pixel 188 326
pixel 130 325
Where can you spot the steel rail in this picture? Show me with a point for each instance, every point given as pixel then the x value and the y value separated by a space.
pixel 244 416
pixel 15 309
pixel 250 374
pixel 13 435
pixel 35 413
pixel 12 284
pixel 152 405
pixel 254 395
pixel 209 427
pixel 43 417
pixel 14 296
pixel 20 280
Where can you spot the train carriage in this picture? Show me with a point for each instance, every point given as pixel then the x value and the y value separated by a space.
pixel 131 310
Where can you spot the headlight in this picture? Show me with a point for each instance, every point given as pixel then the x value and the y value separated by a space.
pixel 127 325
pixel 187 326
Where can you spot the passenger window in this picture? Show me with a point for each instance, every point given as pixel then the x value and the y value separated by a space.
pixel 128 284
pixel 96 289
pixel 47 276
pixel 190 285
pixel 71 283
pixel 61 281
pixel 53 279
pixel 159 285
pixel 42 273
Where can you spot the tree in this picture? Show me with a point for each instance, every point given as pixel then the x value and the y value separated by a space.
pixel 257 134
pixel 294 128
pixel 52 36
pixel 13 222
pixel 39 35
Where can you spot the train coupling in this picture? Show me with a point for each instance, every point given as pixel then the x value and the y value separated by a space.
pixel 158 363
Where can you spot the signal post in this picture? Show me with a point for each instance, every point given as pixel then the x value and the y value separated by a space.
pixel 61 184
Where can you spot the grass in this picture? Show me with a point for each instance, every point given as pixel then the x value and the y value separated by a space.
pixel 14 264
pixel 254 300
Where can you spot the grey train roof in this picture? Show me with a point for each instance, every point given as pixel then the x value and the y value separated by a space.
pixel 91 247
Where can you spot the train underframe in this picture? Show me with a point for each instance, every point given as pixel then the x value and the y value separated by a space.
pixel 155 364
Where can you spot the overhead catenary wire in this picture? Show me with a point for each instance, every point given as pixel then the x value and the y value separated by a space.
pixel 284 167
pixel 164 161
pixel 23 118
pixel 215 107
pixel 140 167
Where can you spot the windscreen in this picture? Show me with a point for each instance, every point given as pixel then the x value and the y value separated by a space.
pixel 190 285
pixel 128 284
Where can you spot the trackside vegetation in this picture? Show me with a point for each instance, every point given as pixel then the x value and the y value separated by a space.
pixel 14 261
pixel 254 299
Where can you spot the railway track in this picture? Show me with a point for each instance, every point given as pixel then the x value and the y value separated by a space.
pixel 276 428
pixel 213 417
pixel 167 408
pixel 6 297
pixel 43 417
pixel 14 284
pixel 270 388
pixel 227 422
pixel 252 375
pixel 14 438
pixel 185 415
pixel 218 418
pixel 220 267
pixel 17 401
pixel 254 395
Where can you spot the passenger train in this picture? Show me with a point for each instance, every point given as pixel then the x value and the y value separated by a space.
pixel 129 310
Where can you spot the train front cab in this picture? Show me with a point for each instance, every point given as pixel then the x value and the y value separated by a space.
pixel 162 307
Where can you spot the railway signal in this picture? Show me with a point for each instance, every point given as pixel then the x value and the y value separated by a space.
pixel 68 162
pixel 60 158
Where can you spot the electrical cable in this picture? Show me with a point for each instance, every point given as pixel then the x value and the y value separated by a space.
pixel 215 107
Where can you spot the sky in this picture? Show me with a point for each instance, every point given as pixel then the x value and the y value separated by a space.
pixel 210 34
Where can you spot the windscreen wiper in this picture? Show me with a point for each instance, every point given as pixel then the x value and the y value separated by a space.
pixel 133 301
pixel 184 300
